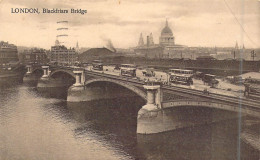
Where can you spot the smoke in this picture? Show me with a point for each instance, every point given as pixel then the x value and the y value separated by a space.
pixel 109 44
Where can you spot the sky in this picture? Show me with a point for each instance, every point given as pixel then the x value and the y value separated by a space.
pixel 205 23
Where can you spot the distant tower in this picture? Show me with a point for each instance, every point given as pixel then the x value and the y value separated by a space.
pixel 236 52
pixel 57 43
pixel 141 40
pixel 77 47
pixel 236 47
pixel 166 38
pixel 243 50
pixel 151 39
pixel 148 41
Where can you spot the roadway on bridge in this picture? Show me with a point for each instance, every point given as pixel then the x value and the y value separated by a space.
pixel 223 88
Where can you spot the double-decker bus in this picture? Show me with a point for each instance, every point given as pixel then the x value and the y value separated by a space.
pixel 128 70
pixel 181 76
pixel 97 65
pixel 182 72
pixel 252 87
pixel 181 79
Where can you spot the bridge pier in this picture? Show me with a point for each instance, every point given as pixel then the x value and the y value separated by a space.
pixel 27 76
pixel 30 77
pixel 29 69
pixel 156 118
pixel 153 96
pixel 46 72
pixel 80 78
pixel 151 110
pixel 76 91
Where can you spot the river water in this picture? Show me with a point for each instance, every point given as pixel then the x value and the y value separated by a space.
pixel 33 127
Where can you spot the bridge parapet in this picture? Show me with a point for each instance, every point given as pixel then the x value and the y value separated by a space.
pixel 152 83
pixel 252 111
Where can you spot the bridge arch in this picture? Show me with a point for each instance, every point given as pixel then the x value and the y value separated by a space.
pixel 37 70
pixel 132 88
pixel 55 73
pixel 66 77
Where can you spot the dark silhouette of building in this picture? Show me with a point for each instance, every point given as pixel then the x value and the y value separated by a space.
pixel 95 53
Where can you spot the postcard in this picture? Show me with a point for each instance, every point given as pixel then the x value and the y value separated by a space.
pixel 129 79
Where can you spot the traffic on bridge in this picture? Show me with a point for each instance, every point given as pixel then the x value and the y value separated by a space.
pixel 241 86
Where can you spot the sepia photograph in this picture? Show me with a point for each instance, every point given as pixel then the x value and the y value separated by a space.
pixel 129 80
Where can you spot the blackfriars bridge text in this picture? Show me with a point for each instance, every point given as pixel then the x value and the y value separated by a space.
pixel 48 11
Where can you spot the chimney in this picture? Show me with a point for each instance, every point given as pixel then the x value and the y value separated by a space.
pixel 151 39
pixel 148 41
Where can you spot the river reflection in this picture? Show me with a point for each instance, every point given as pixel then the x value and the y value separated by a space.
pixel 34 127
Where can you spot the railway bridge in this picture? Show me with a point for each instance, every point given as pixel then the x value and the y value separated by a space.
pixel 167 107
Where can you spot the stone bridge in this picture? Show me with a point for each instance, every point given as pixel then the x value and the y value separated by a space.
pixel 167 107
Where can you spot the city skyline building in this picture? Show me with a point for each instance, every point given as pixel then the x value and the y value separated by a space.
pixel 8 52
pixel 63 55
pixel 166 47
pixel 34 55
pixel 166 38
pixel 77 47
pixel 172 50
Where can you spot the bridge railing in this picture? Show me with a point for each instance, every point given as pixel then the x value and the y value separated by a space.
pixel 152 83
pixel 200 102
pixel 254 111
